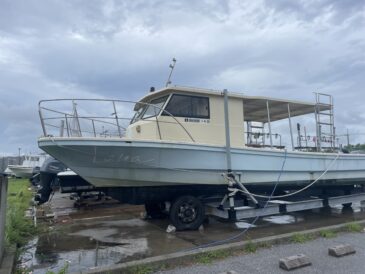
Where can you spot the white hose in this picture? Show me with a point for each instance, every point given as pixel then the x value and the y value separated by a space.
pixel 298 191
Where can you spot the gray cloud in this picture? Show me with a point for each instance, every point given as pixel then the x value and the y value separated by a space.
pixel 119 49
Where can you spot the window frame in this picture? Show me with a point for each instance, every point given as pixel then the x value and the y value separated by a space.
pixel 189 116
pixel 146 106
pixel 159 110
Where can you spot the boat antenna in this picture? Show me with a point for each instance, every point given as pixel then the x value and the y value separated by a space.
pixel 171 66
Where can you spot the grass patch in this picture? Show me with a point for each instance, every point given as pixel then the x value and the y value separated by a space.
pixel 354 227
pixel 327 234
pixel 301 238
pixel 211 256
pixel 18 229
pixel 264 245
pixel 250 247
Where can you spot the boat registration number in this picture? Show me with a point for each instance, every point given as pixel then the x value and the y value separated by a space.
pixel 197 120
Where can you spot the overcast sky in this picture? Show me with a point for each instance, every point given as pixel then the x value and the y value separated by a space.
pixel 118 49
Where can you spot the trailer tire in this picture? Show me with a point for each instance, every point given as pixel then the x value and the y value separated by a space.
pixel 187 213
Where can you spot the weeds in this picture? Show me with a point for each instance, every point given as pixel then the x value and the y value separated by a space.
pixel 18 228
pixel 301 238
pixel 250 247
pixel 354 227
pixel 327 234
pixel 264 245
pixel 141 269
pixel 209 257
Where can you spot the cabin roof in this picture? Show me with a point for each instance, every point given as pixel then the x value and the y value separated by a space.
pixel 255 107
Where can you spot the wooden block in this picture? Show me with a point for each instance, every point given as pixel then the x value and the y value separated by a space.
pixel 40 213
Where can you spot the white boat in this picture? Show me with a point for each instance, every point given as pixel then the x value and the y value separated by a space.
pixel 25 170
pixel 181 140
pixel 8 172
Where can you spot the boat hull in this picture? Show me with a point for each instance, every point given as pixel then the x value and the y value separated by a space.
pixel 21 171
pixel 125 163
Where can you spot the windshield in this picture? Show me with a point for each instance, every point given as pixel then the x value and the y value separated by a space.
pixel 152 109
pixel 138 114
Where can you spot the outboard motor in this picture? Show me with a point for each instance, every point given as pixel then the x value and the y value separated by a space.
pixel 48 178
pixel 35 176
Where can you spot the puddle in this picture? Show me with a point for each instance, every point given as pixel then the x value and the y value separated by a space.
pixel 244 225
pixel 80 252
pixel 283 219
pixel 88 245
pixel 42 257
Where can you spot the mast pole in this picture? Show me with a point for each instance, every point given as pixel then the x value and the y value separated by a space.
pixel 171 66
pixel 269 121
pixel 290 127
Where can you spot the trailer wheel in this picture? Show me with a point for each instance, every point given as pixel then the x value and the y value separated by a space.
pixel 155 210
pixel 187 213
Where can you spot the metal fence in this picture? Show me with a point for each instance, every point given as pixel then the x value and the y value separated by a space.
pixel 3 195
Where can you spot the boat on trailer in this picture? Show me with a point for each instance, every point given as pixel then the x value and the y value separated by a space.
pixel 187 144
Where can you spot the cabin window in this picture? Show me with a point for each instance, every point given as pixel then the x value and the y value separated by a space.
pixel 151 110
pixel 188 106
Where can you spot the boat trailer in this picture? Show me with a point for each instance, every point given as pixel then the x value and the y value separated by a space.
pixel 273 207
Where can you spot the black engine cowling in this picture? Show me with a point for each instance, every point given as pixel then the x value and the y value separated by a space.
pixel 48 178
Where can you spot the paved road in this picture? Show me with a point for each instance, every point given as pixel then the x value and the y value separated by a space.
pixel 267 260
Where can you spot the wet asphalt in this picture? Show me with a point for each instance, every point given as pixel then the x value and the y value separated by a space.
pixel 107 234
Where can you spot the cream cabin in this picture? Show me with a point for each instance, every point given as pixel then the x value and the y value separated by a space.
pixel 197 115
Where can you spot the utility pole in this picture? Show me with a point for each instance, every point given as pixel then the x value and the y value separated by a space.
pixel 19 148
pixel 348 139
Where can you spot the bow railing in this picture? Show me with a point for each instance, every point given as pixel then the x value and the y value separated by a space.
pixel 96 117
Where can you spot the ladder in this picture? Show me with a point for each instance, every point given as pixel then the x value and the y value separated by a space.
pixel 325 128
pixel 256 133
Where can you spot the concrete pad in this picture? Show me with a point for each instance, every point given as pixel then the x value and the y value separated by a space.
pixel 341 250
pixel 294 262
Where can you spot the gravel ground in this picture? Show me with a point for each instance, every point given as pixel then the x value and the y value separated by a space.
pixel 267 260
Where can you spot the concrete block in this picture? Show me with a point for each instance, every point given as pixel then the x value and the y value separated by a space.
pixel 294 262
pixel 341 250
